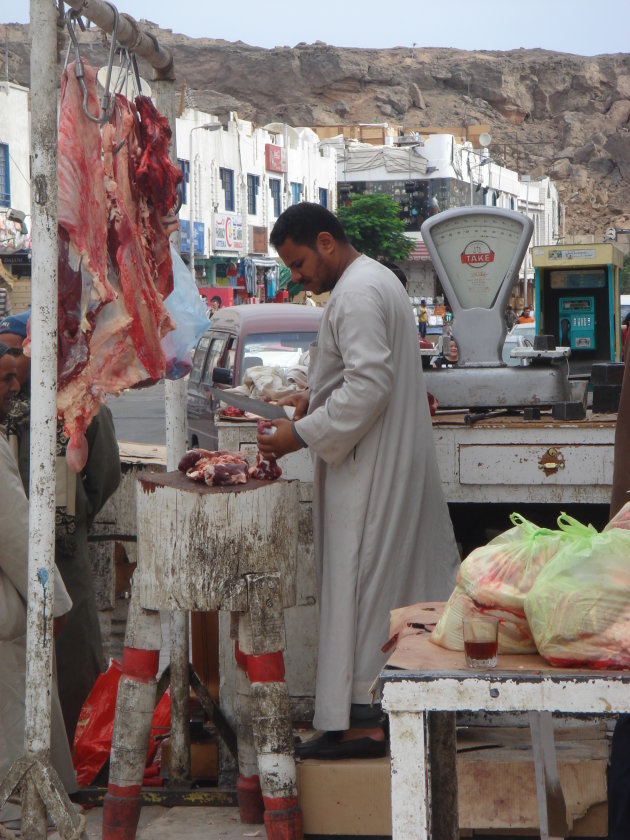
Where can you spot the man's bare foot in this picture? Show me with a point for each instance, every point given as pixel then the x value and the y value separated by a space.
pixel 374 732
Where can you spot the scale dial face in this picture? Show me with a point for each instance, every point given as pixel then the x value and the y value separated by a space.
pixel 476 251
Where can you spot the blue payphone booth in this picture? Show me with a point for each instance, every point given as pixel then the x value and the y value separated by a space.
pixel 576 317
pixel 577 301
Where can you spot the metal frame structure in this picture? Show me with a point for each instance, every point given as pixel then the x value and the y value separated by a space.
pixel 32 775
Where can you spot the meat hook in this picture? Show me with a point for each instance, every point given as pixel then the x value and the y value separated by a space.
pixel 107 103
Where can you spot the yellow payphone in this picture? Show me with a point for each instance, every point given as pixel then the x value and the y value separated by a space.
pixel 577 301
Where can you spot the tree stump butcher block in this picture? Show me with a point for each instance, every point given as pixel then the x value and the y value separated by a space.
pixel 213 548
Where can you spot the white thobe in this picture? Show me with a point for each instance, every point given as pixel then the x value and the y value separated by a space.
pixel 382 533
pixel 13 595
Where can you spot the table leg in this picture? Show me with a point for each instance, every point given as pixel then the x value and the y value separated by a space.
pixel 409 776
pixel 551 804
pixel 135 704
pixel 180 701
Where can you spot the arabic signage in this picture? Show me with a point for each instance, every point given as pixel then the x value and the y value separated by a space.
pixel 184 237
pixel 275 158
pixel 228 232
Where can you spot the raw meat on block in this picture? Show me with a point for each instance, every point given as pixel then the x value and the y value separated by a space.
pixel 217 469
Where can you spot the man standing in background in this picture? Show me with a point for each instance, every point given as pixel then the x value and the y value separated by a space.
pixel 13 597
pixel 79 647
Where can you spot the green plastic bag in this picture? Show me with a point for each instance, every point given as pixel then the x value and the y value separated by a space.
pixel 494 580
pixel 579 606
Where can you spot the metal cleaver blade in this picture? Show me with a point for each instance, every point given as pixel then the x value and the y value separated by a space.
pixel 259 407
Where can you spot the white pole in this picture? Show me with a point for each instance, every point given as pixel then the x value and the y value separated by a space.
pixel 175 410
pixel 191 200
pixel 41 549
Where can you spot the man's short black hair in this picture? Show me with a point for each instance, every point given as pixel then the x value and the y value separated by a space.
pixel 303 223
pixel 216 299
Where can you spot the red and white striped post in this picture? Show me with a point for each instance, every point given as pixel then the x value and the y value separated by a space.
pixel 262 640
pixel 135 705
pixel 250 800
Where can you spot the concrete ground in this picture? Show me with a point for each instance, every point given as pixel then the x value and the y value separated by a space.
pixel 183 823
pixel 208 823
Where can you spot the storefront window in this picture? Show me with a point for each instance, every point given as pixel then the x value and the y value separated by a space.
pixel 253 182
pixel 275 187
pixel 227 181
pixel 296 192
pixel 5 187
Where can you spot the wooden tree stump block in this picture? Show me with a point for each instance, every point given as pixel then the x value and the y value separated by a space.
pixel 196 543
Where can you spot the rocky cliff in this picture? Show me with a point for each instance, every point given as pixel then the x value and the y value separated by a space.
pixel 556 114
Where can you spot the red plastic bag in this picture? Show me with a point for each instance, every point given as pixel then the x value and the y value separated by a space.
pixel 93 736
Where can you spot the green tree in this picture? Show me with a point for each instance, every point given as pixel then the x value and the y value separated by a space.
pixel 373 225
pixel 624 276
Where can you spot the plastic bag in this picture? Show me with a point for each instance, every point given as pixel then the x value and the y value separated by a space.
pixel 93 735
pixel 514 633
pixel 188 311
pixel 579 607
pixel 494 580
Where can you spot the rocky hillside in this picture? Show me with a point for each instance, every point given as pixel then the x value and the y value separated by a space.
pixel 564 115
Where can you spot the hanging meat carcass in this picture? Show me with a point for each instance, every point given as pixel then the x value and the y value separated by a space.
pixel 117 189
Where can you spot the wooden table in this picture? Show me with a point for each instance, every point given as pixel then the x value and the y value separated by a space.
pixel 421 677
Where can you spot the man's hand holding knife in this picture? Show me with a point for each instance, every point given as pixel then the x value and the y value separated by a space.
pixel 284 438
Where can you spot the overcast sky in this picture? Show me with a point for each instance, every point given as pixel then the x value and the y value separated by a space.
pixel 585 27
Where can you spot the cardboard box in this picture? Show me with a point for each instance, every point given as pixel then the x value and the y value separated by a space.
pixel 345 797
pixel 496 786
pixel 204 759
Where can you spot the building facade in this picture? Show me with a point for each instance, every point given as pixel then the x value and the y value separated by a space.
pixel 15 193
pixel 238 179
pixel 426 174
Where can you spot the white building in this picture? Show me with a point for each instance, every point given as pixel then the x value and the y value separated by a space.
pixel 428 174
pixel 15 183
pixel 238 181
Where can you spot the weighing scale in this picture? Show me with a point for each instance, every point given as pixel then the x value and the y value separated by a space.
pixel 477 252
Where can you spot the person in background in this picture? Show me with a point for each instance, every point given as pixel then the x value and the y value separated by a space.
pixel 510 317
pixel 13 597
pixel 215 305
pixel 381 528
pixel 423 318
pixel 308 300
pixel 526 316
pixel 79 647
pixel 5 303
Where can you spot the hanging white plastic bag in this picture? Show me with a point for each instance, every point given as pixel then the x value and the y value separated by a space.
pixel 188 311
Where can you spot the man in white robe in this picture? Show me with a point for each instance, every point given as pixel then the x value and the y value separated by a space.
pixel 382 533
pixel 13 596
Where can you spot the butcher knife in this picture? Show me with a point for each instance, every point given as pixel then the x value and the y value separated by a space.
pixel 259 407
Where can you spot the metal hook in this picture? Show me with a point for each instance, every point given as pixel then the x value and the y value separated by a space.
pixel 107 103
pixel 136 74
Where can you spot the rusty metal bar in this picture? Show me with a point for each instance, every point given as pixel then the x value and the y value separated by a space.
pixel 443 763
pixel 129 34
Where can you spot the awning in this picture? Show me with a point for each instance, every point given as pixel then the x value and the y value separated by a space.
pixel 264 262
pixel 419 252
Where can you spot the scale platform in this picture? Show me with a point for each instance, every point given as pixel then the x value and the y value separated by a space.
pixel 477 253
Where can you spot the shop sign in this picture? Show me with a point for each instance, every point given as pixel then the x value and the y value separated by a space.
pixel 228 232
pixel 258 238
pixel 184 237
pixel 275 158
